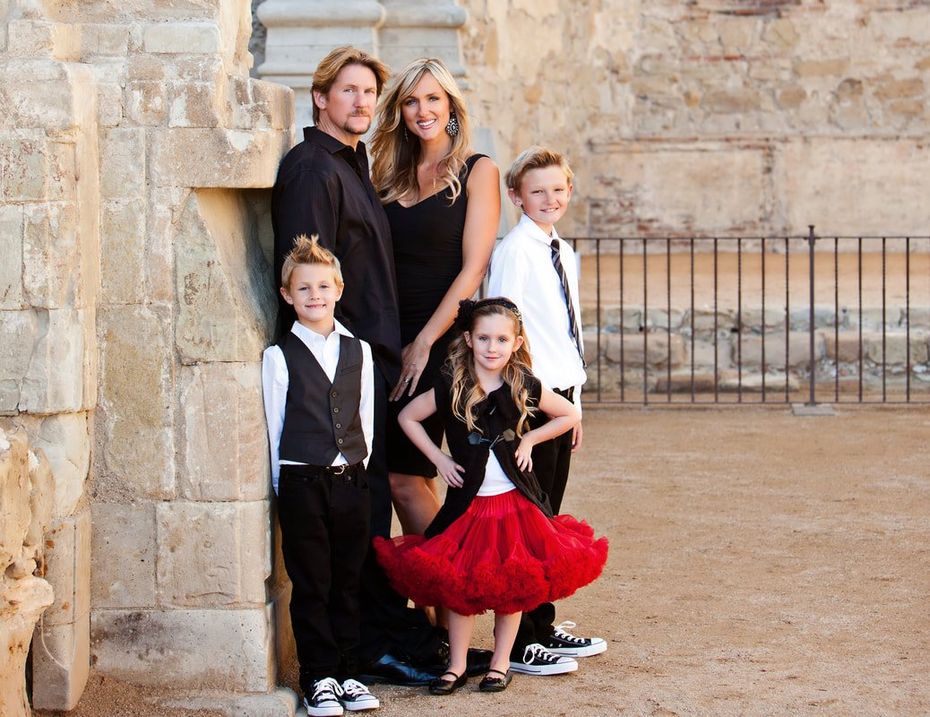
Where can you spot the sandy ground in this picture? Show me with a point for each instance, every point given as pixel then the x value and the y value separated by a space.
pixel 761 564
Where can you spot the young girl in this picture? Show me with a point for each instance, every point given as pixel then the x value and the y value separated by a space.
pixel 494 545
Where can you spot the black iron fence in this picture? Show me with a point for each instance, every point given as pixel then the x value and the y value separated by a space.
pixel 812 319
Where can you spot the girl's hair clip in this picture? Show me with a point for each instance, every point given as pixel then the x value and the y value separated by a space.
pixel 467 308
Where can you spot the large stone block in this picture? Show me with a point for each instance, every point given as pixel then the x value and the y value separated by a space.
pixel 701 188
pixel 798 350
pixel 199 157
pixel 653 349
pixel 33 168
pixel 196 104
pixel 64 438
pixel 46 363
pixel 224 288
pixel 213 554
pixel 60 664
pixel 134 418
pixel 39 94
pixel 815 178
pixel 123 249
pixel 67 546
pixel 11 256
pixel 122 163
pixel 223 441
pixel 123 555
pixel 52 276
pixel 282 702
pixel 182 38
pixel 229 650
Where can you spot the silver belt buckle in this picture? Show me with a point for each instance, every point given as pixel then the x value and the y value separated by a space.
pixel 339 470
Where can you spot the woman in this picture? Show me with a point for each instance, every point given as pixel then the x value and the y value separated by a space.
pixel 443 204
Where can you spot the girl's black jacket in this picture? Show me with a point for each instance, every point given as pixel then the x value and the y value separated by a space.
pixel 495 414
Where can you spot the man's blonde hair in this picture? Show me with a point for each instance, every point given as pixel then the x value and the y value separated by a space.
pixel 307 250
pixel 330 66
pixel 536 157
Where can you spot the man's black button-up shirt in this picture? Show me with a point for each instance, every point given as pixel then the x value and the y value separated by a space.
pixel 323 187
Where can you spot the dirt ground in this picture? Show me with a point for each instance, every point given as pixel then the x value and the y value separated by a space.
pixel 761 564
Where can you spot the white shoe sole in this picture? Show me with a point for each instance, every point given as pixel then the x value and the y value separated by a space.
pixel 559 668
pixel 334 711
pixel 371 704
pixel 594 649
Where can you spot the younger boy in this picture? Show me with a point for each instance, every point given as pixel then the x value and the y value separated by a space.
pixel 318 387
pixel 538 271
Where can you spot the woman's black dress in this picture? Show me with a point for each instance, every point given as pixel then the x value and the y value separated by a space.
pixel 427 238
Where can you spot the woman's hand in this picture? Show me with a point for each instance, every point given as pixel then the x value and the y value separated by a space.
pixel 524 453
pixel 413 358
pixel 450 471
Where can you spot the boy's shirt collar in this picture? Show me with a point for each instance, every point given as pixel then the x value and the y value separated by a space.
pixel 310 336
pixel 532 229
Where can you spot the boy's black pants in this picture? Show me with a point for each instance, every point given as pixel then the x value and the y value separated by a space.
pixel 551 462
pixel 324 538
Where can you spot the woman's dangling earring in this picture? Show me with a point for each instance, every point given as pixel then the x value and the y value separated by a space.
pixel 406 137
pixel 452 128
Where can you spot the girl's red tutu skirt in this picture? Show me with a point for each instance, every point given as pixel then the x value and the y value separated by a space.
pixel 503 554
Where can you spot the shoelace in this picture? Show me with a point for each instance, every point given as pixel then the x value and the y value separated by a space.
pixel 353 688
pixel 537 651
pixel 327 684
pixel 561 633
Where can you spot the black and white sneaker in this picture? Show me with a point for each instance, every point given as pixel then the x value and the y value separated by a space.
pixel 355 697
pixel 562 642
pixel 324 701
pixel 537 660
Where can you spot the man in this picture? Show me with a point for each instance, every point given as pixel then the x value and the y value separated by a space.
pixel 323 187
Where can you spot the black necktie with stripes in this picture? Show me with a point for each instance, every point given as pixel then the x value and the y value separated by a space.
pixel 572 319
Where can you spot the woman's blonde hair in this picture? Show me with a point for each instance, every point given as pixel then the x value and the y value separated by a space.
pixel 396 154
pixel 466 389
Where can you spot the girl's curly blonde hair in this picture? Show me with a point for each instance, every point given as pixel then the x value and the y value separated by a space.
pixel 466 389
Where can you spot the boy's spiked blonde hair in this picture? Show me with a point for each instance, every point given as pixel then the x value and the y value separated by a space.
pixel 536 157
pixel 307 250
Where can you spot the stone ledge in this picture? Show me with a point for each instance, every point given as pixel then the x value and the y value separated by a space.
pixel 229 650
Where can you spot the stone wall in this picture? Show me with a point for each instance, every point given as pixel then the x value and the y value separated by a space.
pixel 714 116
pixel 26 507
pixel 136 153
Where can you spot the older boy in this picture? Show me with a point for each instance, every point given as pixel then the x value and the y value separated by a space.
pixel 318 387
pixel 539 272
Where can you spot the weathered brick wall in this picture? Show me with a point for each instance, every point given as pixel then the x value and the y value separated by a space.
pixel 136 297
pixel 715 116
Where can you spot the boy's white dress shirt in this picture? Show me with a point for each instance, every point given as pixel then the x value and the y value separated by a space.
pixel 522 270
pixel 275 380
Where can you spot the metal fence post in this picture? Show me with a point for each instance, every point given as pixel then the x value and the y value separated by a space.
pixel 812 401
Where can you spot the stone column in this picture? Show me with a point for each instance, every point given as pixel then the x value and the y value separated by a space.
pixel 302 32
pixel 422 28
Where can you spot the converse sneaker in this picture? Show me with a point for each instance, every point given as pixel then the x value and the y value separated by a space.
pixel 537 660
pixel 355 697
pixel 323 702
pixel 562 642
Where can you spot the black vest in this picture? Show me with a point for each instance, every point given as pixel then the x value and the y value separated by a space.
pixel 321 419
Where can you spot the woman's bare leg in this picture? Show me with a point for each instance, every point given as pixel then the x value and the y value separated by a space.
pixel 415 501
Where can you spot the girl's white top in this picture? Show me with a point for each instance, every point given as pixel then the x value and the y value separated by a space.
pixel 495 480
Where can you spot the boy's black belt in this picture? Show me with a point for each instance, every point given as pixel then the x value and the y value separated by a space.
pixel 308 471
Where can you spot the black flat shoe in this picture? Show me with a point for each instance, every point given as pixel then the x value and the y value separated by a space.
pixel 493 683
pixel 440 686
